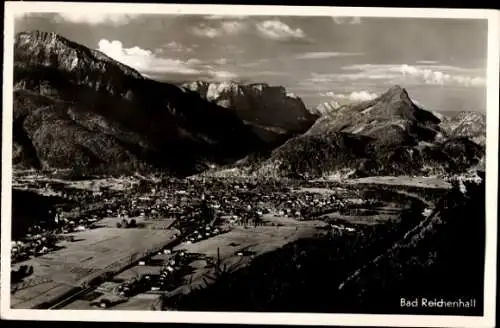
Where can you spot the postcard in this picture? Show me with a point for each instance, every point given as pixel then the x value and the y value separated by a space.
pixel 249 164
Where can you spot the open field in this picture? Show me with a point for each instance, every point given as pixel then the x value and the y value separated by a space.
pixel 94 253
pixel 238 248
pixel 359 219
pixel 419 182
pixel 144 222
pixel 290 222
pixel 137 271
pixel 235 249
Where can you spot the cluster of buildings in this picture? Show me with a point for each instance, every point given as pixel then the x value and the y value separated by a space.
pixel 202 208
pixel 33 245
pixel 158 274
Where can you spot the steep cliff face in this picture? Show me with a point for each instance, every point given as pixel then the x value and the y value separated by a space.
pixel 268 109
pixel 77 108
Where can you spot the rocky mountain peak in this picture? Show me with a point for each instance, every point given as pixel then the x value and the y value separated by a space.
pixel 36 36
pixel 396 102
pixel 259 86
pixel 326 107
pixel 268 109
pixel 396 92
pixel 38 48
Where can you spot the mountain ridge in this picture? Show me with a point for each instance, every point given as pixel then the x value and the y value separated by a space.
pixel 158 122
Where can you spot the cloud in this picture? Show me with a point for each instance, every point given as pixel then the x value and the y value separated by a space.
pixel 150 64
pixel 326 55
pixel 347 20
pixel 279 31
pixel 175 47
pixel 353 96
pixel 430 76
pixel 232 27
pixel 222 75
pixel 351 77
pixel 94 18
pixel 144 60
pixel 206 31
pixel 225 26
pixel 221 61
pixel 419 74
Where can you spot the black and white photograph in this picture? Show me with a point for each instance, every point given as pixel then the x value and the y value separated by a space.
pixel 170 162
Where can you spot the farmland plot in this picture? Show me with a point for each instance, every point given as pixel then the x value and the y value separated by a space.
pixel 95 253
pixel 237 248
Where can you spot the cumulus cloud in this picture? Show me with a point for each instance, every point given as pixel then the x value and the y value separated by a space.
pixel 279 31
pixel 347 20
pixel 326 55
pixel 420 74
pixel 353 96
pixel 149 63
pixel 231 27
pixel 435 77
pixel 95 18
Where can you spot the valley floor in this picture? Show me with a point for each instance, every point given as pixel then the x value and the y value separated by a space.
pixel 189 236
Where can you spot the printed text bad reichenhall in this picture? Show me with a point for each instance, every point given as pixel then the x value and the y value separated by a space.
pixel 437 303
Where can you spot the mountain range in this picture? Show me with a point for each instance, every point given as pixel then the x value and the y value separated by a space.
pixel 77 108
pixel 389 135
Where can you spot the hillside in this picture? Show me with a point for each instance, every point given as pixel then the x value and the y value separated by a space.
pixel 271 111
pixel 393 137
pixel 421 264
pixel 77 108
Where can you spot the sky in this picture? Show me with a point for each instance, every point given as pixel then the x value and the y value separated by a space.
pixel 441 62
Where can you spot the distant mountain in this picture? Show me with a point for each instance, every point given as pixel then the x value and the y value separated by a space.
pixel 389 135
pixel 326 107
pixel 470 125
pixel 77 108
pixel 271 111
